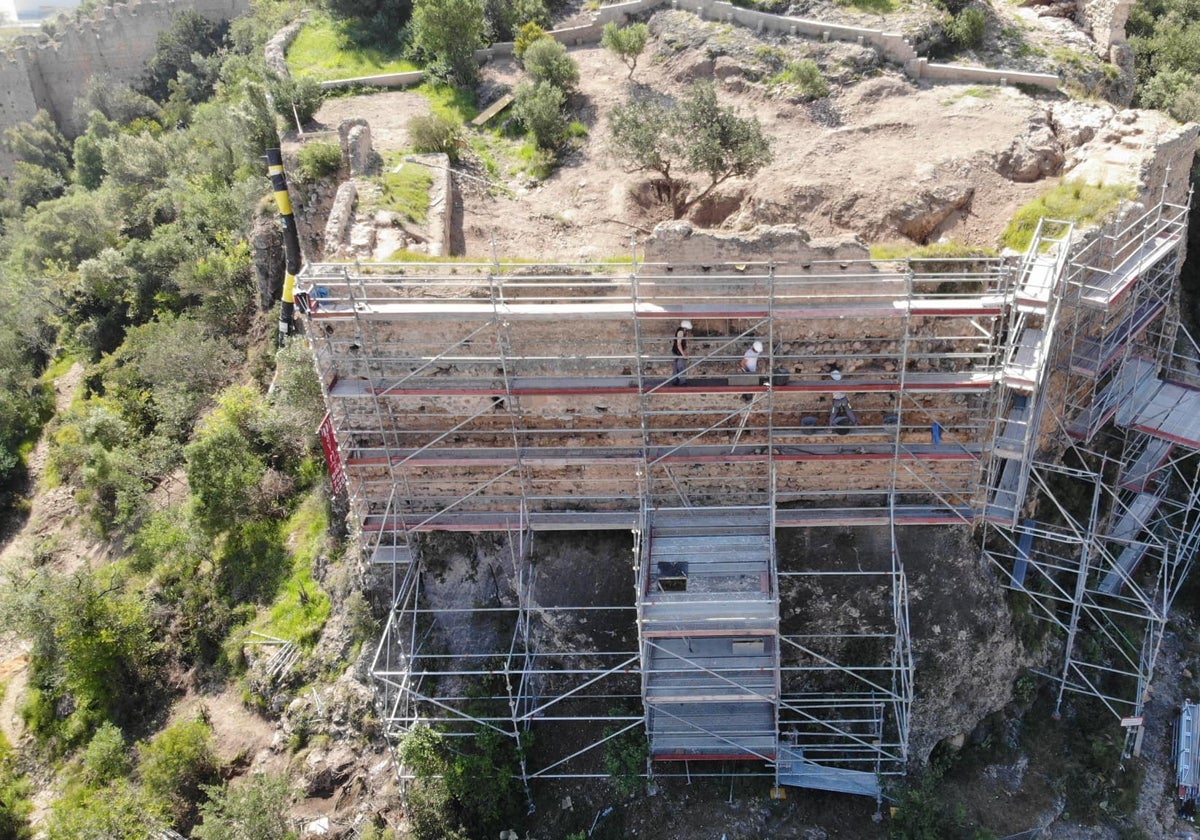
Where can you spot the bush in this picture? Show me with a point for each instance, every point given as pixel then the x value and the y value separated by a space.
pixel 435 133
pixel 317 161
pixel 296 98
pixel 106 757
pixel 176 763
pixel 528 34
pixel 539 108
pixel 625 761
pixel 254 810
pixel 967 27
pixel 806 76
pixel 546 60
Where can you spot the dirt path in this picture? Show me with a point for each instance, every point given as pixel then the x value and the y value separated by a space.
pixel 49 518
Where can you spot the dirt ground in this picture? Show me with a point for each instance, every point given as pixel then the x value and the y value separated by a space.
pixel 857 162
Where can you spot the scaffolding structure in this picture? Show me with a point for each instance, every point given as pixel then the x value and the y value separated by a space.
pixel 1111 528
pixel 525 400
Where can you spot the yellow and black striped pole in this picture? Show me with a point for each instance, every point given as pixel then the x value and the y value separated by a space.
pixel 291 244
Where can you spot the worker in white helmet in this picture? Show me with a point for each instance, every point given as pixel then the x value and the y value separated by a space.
pixel 679 349
pixel 749 363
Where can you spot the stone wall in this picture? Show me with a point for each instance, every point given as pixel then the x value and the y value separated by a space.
pixel 118 42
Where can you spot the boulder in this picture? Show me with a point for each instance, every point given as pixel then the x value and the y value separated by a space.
pixel 1034 155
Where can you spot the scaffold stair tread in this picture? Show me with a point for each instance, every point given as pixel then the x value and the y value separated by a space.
pixel 796 771
pixel 1145 468
pixel 1024 367
pixel 1095 355
pixel 715 729
pixel 1116 283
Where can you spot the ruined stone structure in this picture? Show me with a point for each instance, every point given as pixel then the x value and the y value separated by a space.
pixel 759 611
pixel 118 42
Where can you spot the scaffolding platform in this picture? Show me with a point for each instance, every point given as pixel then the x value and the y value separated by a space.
pixel 1132 521
pixel 1114 284
pixel 434 385
pixel 1130 388
pixel 1025 365
pixel 1036 284
pixel 1170 412
pixel 849 517
pixel 1010 443
pixel 1145 470
pixel 796 771
pixel 1093 356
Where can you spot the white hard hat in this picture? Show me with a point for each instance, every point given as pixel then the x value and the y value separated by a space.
pixel 758 347
pixel 687 325
pixel 836 375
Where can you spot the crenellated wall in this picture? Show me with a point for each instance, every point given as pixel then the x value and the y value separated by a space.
pixel 118 42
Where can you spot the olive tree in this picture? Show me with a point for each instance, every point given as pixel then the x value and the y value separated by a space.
pixel 627 42
pixel 694 135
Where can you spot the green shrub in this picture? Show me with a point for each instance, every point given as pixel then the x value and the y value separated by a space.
pixel 253 810
pixel 528 34
pixel 296 99
pixel 806 76
pixel 317 161
pixel 966 29
pixel 539 108
pixel 175 764
pixel 435 133
pixel 625 761
pixel 546 60
pixel 106 757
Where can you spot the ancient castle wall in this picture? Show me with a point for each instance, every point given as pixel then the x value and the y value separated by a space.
pixel 117 42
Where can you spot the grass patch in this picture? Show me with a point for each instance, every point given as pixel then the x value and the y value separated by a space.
pixel 889 251
pixel 405 188
pixel 326 49
pixel 301 608
pixel 1070 201
pixel 450 102
pixel 59 367
pixel 878 7
pixel 975 92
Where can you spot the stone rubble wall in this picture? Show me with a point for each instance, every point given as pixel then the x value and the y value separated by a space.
pixel 118 42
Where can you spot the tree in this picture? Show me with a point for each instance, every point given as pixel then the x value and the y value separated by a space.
pixel 446 33
pixel 181 49
pixel 374 22
pixel 627 42
pixel 546 60
pixel 39 142
pixel 254 810
pixel 696 134
pixel 539 107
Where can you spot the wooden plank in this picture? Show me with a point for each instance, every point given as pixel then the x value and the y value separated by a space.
pixel 492 110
